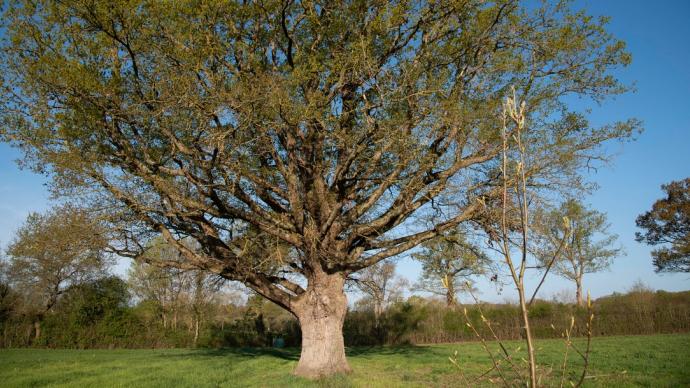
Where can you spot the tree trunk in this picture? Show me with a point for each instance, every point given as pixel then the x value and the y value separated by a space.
pixel 321 313
pixel 528 336
pixel 450 292
pixel 378 310
pixel 37 330
pixel 578 292
pixel 196 331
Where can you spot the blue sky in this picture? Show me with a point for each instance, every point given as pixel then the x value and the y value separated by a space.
pixel 657 34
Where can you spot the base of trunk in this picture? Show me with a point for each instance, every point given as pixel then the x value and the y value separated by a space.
pixel 321 314
pixel 323 362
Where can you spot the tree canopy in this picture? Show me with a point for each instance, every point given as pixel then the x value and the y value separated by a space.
pixel 668 224
pixel 448 262
pixel 575 240
pixel 380 285
pixel 326 127
pixel 54 250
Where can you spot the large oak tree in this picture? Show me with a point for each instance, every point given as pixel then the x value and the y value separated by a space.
pixel 323 129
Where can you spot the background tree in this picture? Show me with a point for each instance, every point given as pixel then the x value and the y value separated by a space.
pixel 448 261
pixel 93 299
pixel 380 285
pixel 53 251
pixel 175 292
pixel 668 224
pixel 162 286
pixel 329 127
pixel 202 296
pixel 159 275
pixel 8 299
pixel 587 248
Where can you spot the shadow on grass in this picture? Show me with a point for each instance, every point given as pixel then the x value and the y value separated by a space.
pixel 402 350
pixel 292 354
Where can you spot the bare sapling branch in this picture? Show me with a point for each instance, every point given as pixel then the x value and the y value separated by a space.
pixel 513 237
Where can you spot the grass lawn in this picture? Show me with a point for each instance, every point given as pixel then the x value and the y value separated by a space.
pixel 653 361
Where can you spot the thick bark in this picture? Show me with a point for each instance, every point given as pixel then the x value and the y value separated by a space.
pixel 321 313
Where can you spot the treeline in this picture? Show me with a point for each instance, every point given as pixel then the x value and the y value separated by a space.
pixel 56 291
pixel 419 320
pixel 107 313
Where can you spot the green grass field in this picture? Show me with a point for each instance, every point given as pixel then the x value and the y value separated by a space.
pixel 653 361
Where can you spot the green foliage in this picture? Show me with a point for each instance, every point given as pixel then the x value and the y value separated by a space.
pixel 380 286
pixel 53 251
pixel 668 225
pixel 92 314
pixel 8 297
pixel 90 302
pixel 541 309
pixel 448 262
pixel 402 321
pixel 454 321
pixel 588 244
pixel 260 323
pixel 7 307
pixel 392 327
pixel 574 241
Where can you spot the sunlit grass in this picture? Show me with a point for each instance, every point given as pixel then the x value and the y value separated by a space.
pixel 654 361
